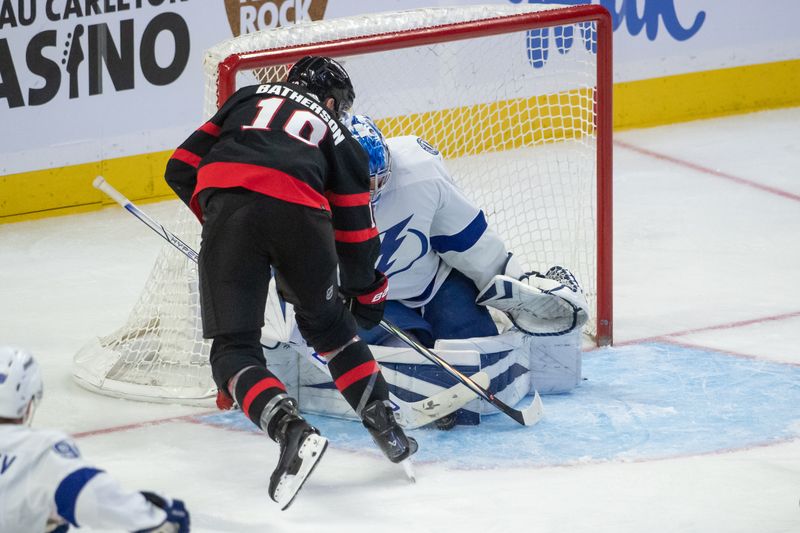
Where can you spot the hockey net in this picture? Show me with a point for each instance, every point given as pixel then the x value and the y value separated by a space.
pixel 516 97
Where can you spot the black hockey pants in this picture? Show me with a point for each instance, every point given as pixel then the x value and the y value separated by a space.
pixel 245 234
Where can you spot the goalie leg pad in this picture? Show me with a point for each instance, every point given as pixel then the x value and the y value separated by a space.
pixel 555 362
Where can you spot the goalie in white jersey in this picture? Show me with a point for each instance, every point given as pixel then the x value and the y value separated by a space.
pixel 445 265
pixel 45 484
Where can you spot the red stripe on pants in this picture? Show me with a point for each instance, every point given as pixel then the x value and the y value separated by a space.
pixel 258 388
pixel 360 235
pixel 360 372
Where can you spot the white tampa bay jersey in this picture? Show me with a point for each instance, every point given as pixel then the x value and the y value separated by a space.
pixel 428 227
pixel 44 478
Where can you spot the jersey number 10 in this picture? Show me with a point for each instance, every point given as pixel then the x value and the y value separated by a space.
pixel 303 125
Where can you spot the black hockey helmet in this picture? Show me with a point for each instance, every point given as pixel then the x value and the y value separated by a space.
pixel 325 78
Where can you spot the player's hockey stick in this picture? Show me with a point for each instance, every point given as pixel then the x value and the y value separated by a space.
pixel 527 417
pixel 101 184
pixel 412 415
pixel 417 413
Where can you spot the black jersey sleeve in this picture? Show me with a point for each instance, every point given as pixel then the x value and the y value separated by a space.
pixel 181 171
pixel 357 241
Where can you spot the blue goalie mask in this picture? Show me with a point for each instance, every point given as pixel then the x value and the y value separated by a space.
pixel 371 139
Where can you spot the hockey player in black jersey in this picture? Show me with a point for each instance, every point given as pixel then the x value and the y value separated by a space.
pixel 280 184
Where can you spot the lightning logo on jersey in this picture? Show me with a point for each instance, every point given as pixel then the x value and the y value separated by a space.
pixel 391 241
pixel 428 227
pixel 7 461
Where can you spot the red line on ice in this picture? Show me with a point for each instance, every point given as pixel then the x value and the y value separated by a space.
pixel 137 425
pixel 666 337
pixel 730 325
pixel 706 170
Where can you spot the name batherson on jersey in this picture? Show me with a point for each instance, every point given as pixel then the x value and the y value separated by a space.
pixel 428 227
pixel 44 478
pixel 278 140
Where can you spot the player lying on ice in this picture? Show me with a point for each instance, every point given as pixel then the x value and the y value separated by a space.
pixel 45 484
pixel 446 267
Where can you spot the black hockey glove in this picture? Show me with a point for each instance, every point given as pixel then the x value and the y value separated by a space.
pixel 367 308
pixel 177 516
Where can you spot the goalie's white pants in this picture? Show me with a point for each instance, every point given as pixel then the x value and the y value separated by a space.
pixel 517 363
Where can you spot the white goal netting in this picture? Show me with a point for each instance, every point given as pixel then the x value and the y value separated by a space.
pixel 511 95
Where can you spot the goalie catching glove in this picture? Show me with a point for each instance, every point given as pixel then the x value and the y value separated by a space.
pixel 549 304
pixel 368 307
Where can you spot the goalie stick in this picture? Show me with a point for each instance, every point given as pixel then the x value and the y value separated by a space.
pixel 527 417
pixel 413 414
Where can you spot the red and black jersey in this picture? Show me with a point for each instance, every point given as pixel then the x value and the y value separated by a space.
pixel 278 140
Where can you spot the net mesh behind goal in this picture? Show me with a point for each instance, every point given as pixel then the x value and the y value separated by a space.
pixel 517 99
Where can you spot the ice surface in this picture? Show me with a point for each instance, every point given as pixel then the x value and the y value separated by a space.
pixel 690 424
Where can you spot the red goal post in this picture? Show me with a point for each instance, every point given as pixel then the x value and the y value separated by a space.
pixel 537 19
pixel 517 98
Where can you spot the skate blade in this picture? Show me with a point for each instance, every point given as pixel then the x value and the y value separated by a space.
pixel 408 467
pixel 310 452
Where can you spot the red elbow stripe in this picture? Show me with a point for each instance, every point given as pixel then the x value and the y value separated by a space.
pixel 348 200
pixel 356 236
pixel 193 160
pixel 258 388
pixel 358 373
pixel 210 128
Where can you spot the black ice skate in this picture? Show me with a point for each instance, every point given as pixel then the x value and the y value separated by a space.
pixel 379 420
pixel 301 449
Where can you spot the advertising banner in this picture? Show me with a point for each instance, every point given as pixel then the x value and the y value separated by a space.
pixel 91 80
